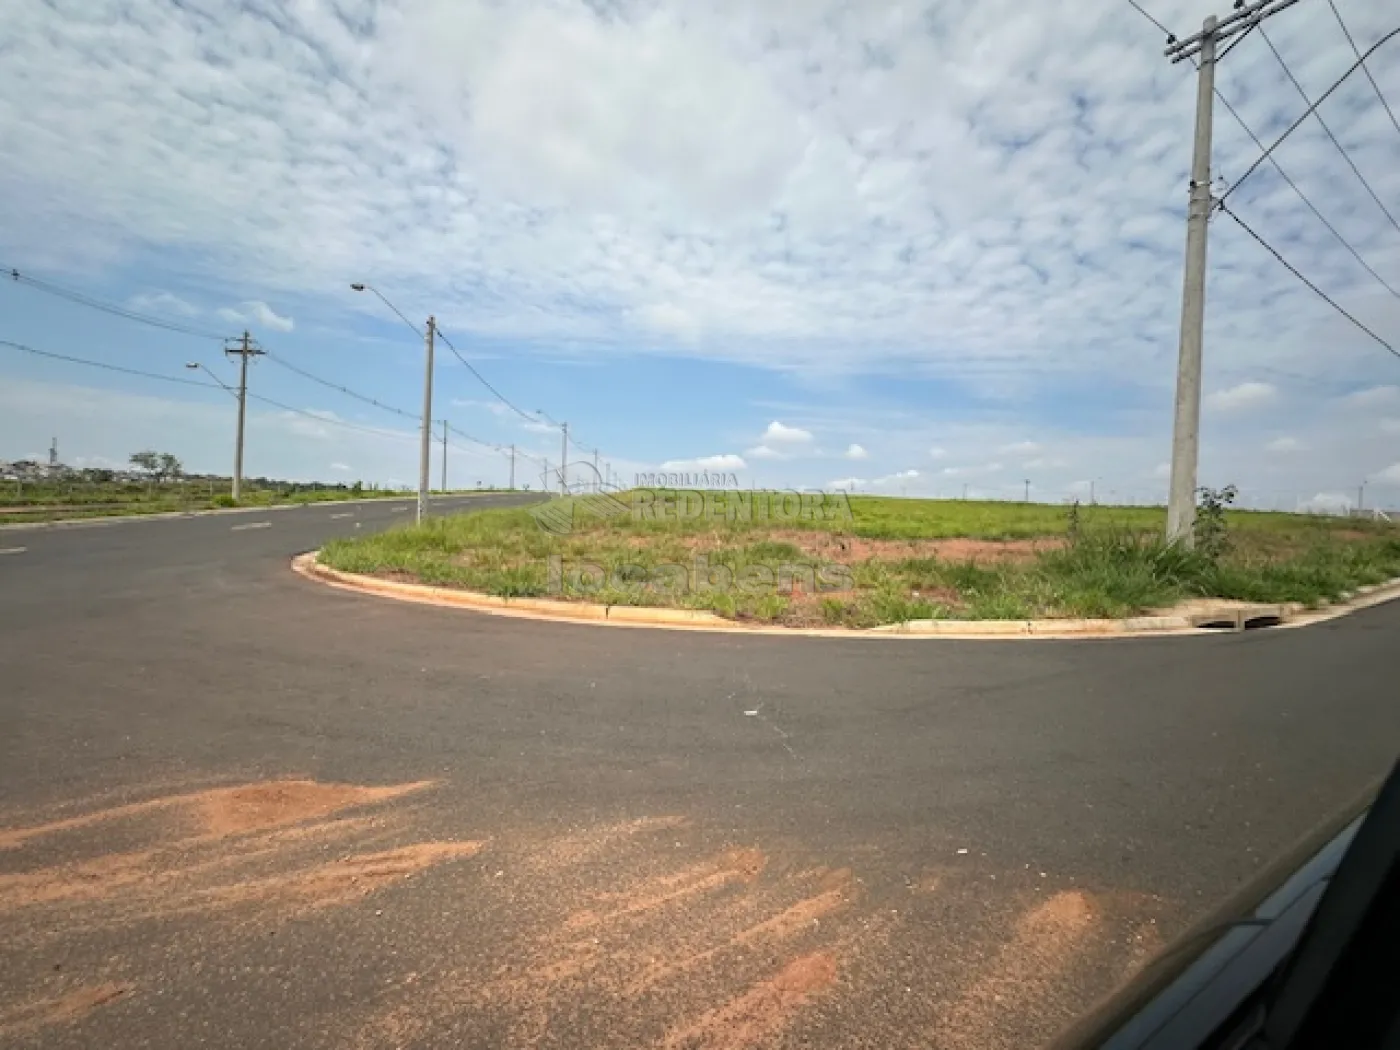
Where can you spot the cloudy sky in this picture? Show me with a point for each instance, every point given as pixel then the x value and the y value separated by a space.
pixel 924 248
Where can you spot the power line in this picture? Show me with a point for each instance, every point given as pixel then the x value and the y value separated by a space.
pixel 1304 198
pixel 1142 11
pixel 106 307
pixel 1359 63
pixel 1357 51
pixel 482 379
pixel 1274 161
pixel 108 367
pixel 331 385
pixel 1334 142
pixel 1293 270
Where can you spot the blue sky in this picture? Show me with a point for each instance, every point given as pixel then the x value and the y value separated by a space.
pixel 904 249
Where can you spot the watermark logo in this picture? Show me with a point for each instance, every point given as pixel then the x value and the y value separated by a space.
pixel 700 576
pixel 585 496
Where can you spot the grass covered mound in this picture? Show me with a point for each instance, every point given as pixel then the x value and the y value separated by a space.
pixel 865 561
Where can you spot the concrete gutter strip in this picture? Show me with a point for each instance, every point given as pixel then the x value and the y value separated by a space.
pixel 1229 616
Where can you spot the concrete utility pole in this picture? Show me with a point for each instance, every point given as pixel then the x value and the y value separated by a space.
pixel 1186 426
pixel 425 458
pixel 245 348
pixel 512 468
pixel 597 478
pixel 1028 491
pixel 444 455
pixel 564 461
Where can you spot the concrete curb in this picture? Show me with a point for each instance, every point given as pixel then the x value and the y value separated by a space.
pixel 1232 618
pixel 166 515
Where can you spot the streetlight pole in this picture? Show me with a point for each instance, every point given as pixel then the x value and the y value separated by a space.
pixel 245 348
pixel 425 457
pixel 426 444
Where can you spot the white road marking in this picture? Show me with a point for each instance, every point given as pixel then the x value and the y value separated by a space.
pixel 13 550
pixel 398 510
pixel 347 514
pixel 252 525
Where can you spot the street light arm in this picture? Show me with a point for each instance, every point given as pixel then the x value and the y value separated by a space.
pixel 201 367
pixel 360 286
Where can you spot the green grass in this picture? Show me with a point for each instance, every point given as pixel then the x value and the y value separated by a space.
pixel 1117 566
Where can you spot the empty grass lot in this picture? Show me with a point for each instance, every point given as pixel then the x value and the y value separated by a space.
pixel 885 561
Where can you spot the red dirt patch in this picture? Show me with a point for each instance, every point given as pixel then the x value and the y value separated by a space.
pixel 256 807
pixel 763 1010
pixel 65 1009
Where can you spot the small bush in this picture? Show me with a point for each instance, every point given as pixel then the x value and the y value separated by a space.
pixel 224 500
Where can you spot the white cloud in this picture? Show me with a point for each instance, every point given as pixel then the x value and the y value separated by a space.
pixel 1390 475
pixel 898 476
pixel 779 434
pixel 846 483
pixel 857 452
pixel 820 188
pixel 763 452
pixel 342 468
pixel 938 453
pixel 257 312
pixel 1244 396
pixel 1326 503
pixel 1373 397
pixel 725 461
pixel 1020 448
pixel 165 303
pixel 977 470
pixel 1284 445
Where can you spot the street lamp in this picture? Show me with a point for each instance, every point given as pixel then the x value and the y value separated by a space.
pixel 240 395
pixel 563 452
pixel 425 454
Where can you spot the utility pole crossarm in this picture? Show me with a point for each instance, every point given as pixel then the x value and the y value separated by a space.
pixel 1240 21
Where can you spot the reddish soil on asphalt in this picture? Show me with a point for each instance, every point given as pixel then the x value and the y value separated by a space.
pixel 666 940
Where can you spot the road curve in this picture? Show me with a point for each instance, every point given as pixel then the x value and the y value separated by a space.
pixel 240 809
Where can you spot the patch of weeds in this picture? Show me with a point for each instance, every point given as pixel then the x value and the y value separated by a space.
pixel 773 551
pixel 770 607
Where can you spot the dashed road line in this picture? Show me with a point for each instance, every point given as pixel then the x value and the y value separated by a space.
pixel 398 510
pixel 13 550
pixel 252 525
pixel 347 514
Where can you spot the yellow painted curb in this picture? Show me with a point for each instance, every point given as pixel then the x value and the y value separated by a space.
pixel 698 620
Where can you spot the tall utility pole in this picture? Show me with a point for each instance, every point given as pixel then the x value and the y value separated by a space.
pixel 512 468
pixel 244 348
pixel 425 459
pixel 1186 426
pixel 597 478
pixel 564 461
pixel 1028 491
pixel 444 455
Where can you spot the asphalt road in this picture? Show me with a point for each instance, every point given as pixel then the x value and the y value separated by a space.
pixel 240 809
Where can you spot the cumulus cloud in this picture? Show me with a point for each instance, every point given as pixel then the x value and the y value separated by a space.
pixel 857 452
pixel 778 434
pixel 846 483
pixel 257 313
pixel 897 477
pixel 724 461
pixel 763 452
pixel 1247 395
pixel 1374 397
pixel 166 303
pixel 1284 445
pixel 972 471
